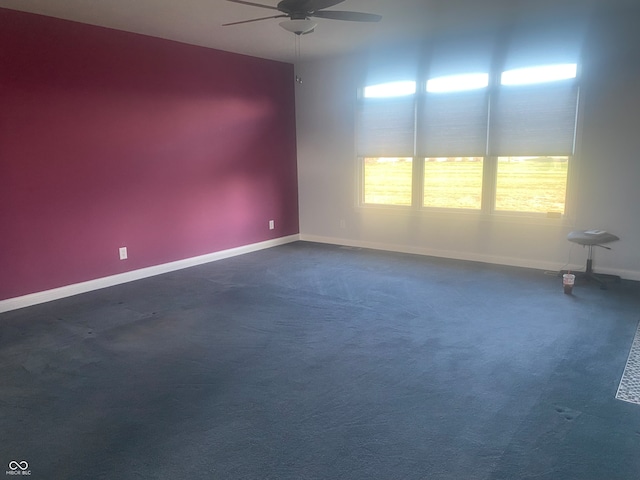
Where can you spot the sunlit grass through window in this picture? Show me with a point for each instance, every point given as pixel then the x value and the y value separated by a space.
pixel 532 184
pixel 454 182
pixel 523 184
pixel 387 181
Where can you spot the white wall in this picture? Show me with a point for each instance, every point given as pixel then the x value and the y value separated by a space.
pixel 605 190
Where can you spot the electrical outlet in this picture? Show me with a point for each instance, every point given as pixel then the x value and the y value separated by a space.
pixel 343 224
pixel 123 253
pixel 272 224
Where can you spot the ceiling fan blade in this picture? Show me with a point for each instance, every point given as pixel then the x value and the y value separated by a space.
pixel 315 5
pixel 253 20
pixel 253 4
pixel 349 16
pixel 305 6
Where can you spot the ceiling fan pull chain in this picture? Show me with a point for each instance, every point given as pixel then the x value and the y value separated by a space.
pixel 297 57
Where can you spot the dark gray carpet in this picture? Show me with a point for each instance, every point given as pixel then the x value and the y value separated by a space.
pixel 319 362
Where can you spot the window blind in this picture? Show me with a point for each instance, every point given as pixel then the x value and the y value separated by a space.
pixel 453 124
pixel 386 127
pixel 534 120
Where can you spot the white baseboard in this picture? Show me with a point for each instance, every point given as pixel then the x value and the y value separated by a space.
pixel 98 283
pixel 470 256
pixel 78 288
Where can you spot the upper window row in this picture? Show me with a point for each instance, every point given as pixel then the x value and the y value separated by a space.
pixel 475 81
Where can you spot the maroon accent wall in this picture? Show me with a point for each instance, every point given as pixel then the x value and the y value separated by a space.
pixel 111 139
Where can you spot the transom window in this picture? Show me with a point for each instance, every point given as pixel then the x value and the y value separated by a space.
pixel 391 89
pixel 539 74
pixel 458 83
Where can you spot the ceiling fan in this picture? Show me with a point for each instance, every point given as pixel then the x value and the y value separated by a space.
pixel 300 13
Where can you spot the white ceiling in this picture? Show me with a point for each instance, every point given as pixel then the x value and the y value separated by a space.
pixel 199 22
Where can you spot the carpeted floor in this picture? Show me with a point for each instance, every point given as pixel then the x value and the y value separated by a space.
pixel 310 361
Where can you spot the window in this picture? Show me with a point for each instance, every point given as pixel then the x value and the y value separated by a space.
pixel 452 138
pixel 386 119
pixel 533 138
pixel 489 147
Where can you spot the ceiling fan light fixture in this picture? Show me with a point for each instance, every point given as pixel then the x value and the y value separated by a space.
pixel 299 26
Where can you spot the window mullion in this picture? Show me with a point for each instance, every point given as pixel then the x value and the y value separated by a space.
pixel 418 163
pixel 490 171
pixel 489 175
